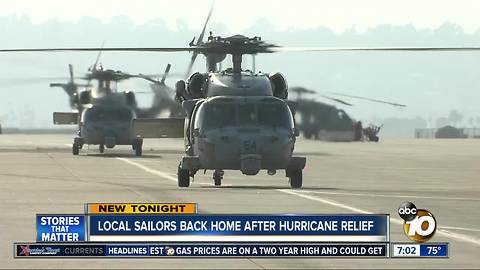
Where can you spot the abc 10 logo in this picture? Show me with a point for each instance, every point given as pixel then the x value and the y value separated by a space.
pixel 418 224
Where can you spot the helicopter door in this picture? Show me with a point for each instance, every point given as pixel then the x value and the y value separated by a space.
pixel 65 118
pixel 158 127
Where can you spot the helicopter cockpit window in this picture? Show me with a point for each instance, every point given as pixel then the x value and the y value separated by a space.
pixel 276 115
pixel 108 114
pixel 219 115
pixel 247 115
pixel 210 116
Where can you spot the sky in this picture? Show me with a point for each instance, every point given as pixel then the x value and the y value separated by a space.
pixel 239 15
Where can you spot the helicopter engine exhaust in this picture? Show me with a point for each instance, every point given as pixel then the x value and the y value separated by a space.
pixel 85 97
pixel 130 97
pixel 279 85
pixel 195 85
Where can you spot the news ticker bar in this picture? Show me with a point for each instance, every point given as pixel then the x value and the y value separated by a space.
pixel 333 250
pixel 409 250
pixel 196 250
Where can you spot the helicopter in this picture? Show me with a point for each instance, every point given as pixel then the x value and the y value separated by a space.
pixel 322 121
pixel 162 94
pixel 105 115
pixel 237 119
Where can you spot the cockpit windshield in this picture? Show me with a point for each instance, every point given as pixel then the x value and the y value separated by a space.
pixel 276 115
pixel 219 115
pixel 108 114
pixel 247 114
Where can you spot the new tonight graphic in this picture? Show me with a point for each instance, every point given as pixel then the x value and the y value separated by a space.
pixel 240 228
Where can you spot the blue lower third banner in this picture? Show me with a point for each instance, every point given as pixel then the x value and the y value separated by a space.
pixel 62 250
pixel 239 228
pixel 60 228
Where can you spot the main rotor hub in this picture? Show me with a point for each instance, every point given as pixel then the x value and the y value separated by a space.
pixel 108 75
pixel 237 46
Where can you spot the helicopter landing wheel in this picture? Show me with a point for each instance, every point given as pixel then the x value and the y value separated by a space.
pixel 296 178
pixel 75 149
pixel 183 177
pixel 101 148
pixel 137 146
pixel 217 177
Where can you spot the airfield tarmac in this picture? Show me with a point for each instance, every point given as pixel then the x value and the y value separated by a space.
pixel 38 174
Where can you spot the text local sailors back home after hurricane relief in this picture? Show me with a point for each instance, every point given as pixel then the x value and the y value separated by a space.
pixel 236 225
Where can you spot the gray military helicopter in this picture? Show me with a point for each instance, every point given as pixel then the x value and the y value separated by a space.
pixel 237 119
pixel 322 121
pixel 105 115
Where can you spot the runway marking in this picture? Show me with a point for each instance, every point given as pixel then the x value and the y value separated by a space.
pixel 459 228
pixel 388 196
pixel 457 236
pixel 441 230
pixel 325 201
pixel 169 176
pixel 149 170
pixel 405 168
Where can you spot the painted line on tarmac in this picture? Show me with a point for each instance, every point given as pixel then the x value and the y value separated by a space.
pixel 397 196
pixel 457 236
pixel 168 176
pixel 147 169
pixel 325 201
pixel 443 232
pixel 388 196
pixel 459 228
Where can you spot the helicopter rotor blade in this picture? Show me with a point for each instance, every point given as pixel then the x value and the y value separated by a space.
pixel 302 90
pixel 254 68
pixel 199 42
pixel 98 56
pixel 113 49
pixel 370 99
pixel 336 100
pixel 58 85
pixel 367 49
pixel 167 70
pixel 94 67
pixel 190 64
pixel 70 69
pixel 202 34
pixel 263 49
